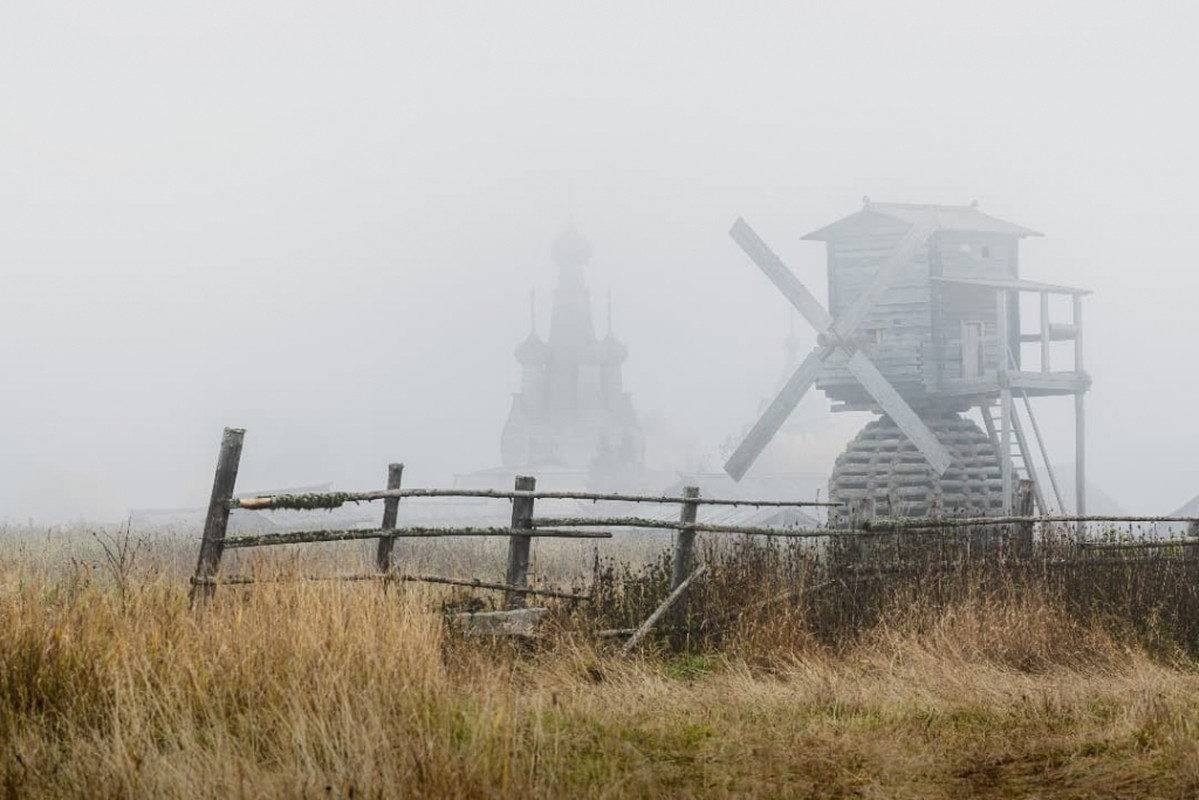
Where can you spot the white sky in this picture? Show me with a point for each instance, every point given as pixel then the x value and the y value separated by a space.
pixel 321 222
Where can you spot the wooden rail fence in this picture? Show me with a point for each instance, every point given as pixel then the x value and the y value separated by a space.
pixel 861 527
pixel 524 527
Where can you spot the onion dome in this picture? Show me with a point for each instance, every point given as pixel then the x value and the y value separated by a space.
pixel 612 350
pixel 532 350
pixel 570 249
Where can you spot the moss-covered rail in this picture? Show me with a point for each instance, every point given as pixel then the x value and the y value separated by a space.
pixel 354 534
pixel 519 533
pixel 330 500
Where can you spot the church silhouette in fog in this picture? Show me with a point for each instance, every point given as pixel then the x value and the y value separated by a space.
pixel 572 412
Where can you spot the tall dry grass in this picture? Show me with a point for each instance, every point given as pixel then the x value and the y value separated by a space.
pixel 783 683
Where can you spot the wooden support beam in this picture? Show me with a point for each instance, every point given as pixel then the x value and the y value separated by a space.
pixel 1005 448
pixel 1080 458
pixel 1036 430
pixel 1049 383
pixel 1026 457
pixel 989 423
pixel 1080 424
pixel 1005 400
pixel 1078 364
pixel 1044 331
pixel 1058 332
pixel 216 523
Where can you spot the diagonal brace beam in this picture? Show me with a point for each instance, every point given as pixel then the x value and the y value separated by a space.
pixel 900 412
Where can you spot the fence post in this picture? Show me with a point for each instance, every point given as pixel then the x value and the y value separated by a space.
pixel 391 509
pixel 861 511
pixel 1191 551
pixel 1025 497
pixel 684 550
pixel 216 523
pixel 518 545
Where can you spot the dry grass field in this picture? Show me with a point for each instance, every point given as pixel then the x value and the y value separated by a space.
pixel 1017 686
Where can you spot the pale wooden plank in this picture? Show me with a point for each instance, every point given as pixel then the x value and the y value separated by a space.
pixel 778 273
pixel 900 412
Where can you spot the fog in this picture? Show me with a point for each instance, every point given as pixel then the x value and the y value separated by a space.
pixel 321 222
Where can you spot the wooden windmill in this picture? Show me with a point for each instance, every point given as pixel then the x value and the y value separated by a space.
pixel 923 325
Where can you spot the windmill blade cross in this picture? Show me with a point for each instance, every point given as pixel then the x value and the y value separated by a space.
pixel 838 350
pixel 774 268
pixel 900 412
pixel 776 413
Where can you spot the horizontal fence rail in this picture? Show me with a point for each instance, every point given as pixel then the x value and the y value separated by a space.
pixel 915 523
pixel 966 565
pixel 246 580
pixel 702 527
pixel 354 534
pixel 1148 543
pixel 329 500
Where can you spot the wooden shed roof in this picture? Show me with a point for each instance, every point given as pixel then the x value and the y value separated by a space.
pixel 945 218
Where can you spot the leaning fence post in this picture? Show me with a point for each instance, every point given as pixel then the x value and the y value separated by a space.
pixel 684 549
pixel 518 545
pixel 1025 496
pixel 1190 551
pixel 391 509
pixel 216 523
pixel 676 596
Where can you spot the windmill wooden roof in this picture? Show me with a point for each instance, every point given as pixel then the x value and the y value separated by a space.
pixel 945 218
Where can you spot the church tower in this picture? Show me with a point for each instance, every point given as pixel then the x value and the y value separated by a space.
pixel 572 412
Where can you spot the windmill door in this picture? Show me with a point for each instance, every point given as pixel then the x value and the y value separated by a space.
pixel 972 349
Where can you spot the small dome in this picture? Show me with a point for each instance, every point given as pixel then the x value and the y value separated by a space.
pixel 612 350
pixel 532 350
pixel 570 249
